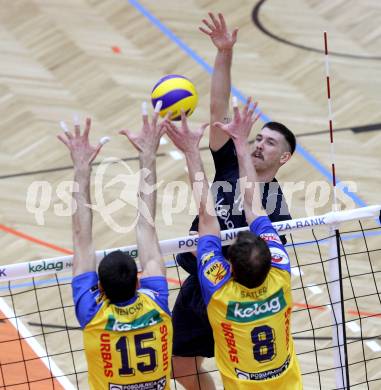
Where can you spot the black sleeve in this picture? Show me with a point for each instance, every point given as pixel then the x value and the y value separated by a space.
pixel 275 204
pixel 194 226
pixel 225 162
pixel 188 262
pixel 226 166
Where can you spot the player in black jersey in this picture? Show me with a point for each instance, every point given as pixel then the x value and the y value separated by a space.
pixel 273 147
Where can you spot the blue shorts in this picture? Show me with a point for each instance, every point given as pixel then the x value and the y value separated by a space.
pixel 192 333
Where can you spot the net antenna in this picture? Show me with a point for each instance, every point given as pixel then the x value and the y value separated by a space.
pixel 336 292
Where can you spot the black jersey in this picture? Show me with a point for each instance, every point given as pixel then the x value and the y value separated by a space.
pixel 227 197
pixel 228 200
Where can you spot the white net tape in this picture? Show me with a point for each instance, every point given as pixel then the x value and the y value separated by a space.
pixel 186 243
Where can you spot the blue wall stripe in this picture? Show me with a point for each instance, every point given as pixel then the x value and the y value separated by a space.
pixel 166 31
pixel 191 53
pixel 325 172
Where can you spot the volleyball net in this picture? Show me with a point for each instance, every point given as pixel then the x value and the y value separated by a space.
pixel 336 283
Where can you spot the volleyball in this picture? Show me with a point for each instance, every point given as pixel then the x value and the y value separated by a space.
pixel 176 92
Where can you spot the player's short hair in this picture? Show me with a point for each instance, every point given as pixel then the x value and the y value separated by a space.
pixel 118 275
pixel 250 258
pixel 285 131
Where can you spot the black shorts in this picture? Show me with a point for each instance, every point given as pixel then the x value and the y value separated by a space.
pixel 192 333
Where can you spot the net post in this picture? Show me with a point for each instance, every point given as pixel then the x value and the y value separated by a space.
pixel 339 339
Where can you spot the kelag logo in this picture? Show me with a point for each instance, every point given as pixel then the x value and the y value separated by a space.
pixel 44 266
pixel 151 318
pixel 251 311
pixel 2 272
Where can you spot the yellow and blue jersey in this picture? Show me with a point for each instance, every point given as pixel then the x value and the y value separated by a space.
pixel 128 345
pixel 254 348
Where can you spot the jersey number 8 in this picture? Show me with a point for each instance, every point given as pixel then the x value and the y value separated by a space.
pixel 262 338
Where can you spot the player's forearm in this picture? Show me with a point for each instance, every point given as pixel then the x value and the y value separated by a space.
pixel 145 229
pixel 219 96
pixel 201 193
pixel 250 187
pixel 84 254
pixel 221 85
pixel 198 180
pixel 147 182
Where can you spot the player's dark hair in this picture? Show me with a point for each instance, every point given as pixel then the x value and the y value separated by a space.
pixel 250 258
pixel 118 274
pixel 285 131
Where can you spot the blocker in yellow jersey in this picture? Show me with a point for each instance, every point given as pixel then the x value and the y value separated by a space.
pixel 251 326
pixel 126 322
pixel 127 345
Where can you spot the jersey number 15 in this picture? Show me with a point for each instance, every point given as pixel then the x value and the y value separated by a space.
pixel 123 347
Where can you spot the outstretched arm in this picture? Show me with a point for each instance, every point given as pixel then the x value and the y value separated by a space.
pixel 224 41
pixel 239 130
pixel 82 154
pixel 147 143
pixel 188 141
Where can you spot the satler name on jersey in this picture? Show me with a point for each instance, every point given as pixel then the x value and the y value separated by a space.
pixel 252 311
pixel 278 256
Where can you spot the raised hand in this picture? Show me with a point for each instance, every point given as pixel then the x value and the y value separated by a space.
pixel 148 140
pixel 185 140
pixel 82 153
pixel 239 128
pixel 216 29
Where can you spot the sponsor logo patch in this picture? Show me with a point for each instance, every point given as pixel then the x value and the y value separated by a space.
pixel 2 272
pixel 206 257
pixel 215 272
pixel 260 376
pixel 278 256
pixel 252 311
pixel 45 266
pixel 149 319
pixel 158 384
pixel 271 237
